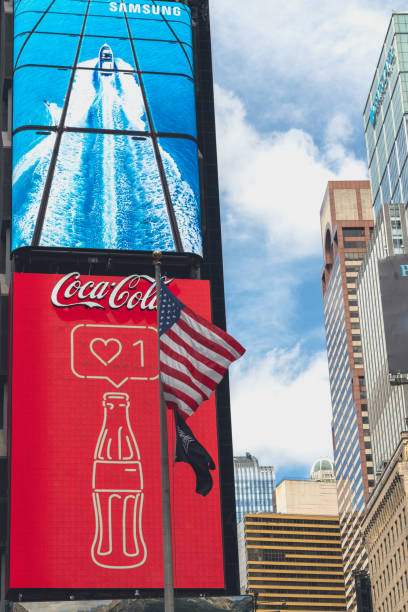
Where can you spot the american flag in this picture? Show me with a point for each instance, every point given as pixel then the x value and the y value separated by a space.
pixel 194 354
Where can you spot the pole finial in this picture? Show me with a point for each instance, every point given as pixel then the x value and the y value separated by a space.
pixel 157 255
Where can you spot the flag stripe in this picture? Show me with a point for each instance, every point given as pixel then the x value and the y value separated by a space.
pixel 213 333
pixel 195 354
pixel 216 333
pixel 168 353
pixel 170 398
pixel 176 383
pixel 180 396
pixel 178 370
pixel 200 348
pixel 198 369
pixel 194 331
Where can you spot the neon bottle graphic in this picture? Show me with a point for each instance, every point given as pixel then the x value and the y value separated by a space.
pixel 117 490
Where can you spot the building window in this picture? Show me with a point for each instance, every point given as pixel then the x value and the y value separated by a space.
pixel 354 244
pixel 351 232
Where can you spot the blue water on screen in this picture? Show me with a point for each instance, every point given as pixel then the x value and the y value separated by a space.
pixel 106 190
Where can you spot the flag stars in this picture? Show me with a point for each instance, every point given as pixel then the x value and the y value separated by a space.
pixel 170 309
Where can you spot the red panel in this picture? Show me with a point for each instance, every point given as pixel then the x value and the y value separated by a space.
pixel 85 456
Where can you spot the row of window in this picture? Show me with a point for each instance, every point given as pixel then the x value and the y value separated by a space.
pixel 303 521
pixel 397 529
pixel 396 563
pixel 286 528
pixel 335 574
pixel 261 554
pixel 391 600
pixel 312 542
pixel 299 596
pixel 354 244
pixel 296 563
pixel 351 232
pixel 334 587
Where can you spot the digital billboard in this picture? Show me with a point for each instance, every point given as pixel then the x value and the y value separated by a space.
pixel 85 486
pixel 241 603
pixel 393 273
pixel 104 126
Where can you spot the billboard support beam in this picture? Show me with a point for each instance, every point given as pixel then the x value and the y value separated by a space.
pixel 164 454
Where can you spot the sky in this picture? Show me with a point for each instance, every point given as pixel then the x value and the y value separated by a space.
pixel 291 81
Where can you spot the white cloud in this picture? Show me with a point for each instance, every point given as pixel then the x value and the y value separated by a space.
pixel 277 181
pixel 281 408
pixel 321 49
pixel 339 129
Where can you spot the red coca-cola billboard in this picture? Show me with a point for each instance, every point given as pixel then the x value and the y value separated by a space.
pixel 85 500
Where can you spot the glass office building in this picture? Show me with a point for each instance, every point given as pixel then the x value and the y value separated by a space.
pixel 387 404
pixel 385 118
pixel 346 223
pixel 254 486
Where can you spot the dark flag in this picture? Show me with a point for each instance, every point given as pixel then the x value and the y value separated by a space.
pixel 189 450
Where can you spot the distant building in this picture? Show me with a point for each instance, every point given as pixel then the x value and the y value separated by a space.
pixel 254 486
pixel 346 221
pixel 307 497
pixel 323 469
pixel 292 559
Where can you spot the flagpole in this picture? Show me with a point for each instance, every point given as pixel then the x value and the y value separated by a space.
pixel 166 508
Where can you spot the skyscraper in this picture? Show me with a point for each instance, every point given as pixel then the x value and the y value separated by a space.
pixel 384 118
pixel 346 223
pixel 387 404
pixel 254 486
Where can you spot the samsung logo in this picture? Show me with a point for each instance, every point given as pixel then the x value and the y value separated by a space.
pixel 382 86
pixel 144 9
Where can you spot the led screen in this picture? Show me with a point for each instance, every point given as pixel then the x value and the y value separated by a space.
pixel 85 501
pixel 393 274
pixel 104 129
pixel 241 603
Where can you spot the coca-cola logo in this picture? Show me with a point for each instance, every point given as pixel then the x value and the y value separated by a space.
pixel 129 292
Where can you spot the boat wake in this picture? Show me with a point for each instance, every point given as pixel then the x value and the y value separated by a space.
pixel 106 191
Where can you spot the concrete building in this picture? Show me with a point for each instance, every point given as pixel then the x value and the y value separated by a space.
pixel 292 559
pixel 385 118
pixel 307 497
pixel 254 486
pixel 346 223
pixel 385 533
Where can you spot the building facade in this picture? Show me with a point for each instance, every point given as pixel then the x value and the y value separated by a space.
pixel 346 223
pixel 387 404
pixel 307 497
pixel 385 533
pixel 385 115
pixel 254 486
pixel 292 559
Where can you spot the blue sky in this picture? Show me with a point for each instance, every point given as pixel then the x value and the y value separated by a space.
pixel 291 82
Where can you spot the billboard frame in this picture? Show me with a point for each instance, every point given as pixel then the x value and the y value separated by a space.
pixel 181 265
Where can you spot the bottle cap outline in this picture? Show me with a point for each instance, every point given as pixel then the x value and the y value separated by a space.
pixel 112 398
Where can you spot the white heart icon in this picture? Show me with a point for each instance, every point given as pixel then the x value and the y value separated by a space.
pixel 105 351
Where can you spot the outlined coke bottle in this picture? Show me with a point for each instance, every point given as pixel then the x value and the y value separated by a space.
pixel 117 489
